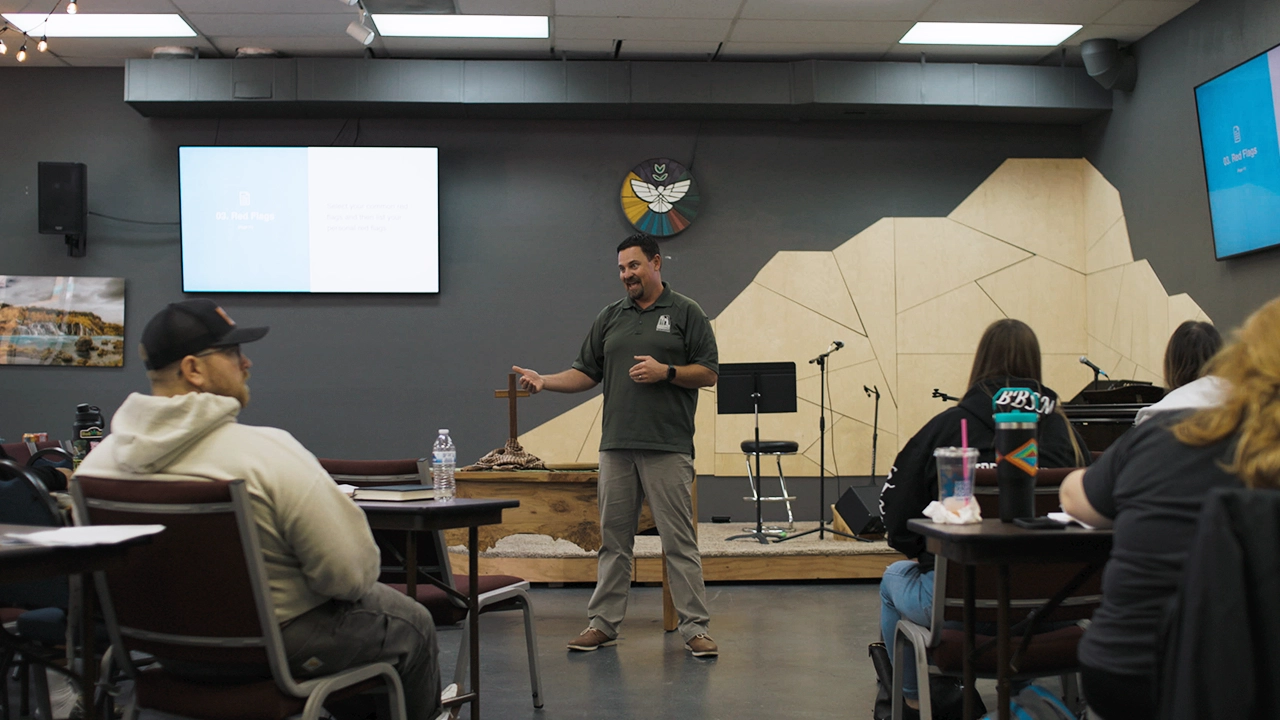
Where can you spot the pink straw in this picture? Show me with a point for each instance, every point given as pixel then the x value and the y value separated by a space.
pixel 964 444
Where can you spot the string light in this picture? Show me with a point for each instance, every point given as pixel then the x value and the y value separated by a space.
pixel 22 53
pixel 43 44
pixel 71 8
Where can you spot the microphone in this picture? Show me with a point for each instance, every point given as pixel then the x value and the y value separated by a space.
pixel 834 346
pixel 1085 361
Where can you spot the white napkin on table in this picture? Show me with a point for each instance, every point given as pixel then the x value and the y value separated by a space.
pixel 954 511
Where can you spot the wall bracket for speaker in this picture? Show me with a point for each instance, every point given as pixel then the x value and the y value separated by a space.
pixel 77 245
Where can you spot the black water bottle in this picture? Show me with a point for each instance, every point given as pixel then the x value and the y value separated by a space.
pixel 1017 459
pixel 87 431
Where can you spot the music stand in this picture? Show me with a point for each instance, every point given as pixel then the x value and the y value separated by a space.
pixel 767 387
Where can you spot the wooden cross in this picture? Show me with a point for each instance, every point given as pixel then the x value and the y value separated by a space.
pixel 511 394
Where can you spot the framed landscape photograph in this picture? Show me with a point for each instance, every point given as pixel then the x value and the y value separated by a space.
pixel 61 320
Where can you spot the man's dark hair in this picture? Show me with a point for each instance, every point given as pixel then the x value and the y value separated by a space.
pixel 1189 348
pixel 647 244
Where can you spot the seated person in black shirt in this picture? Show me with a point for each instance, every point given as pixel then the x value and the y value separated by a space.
pixel 1149 486
pixel 1008 355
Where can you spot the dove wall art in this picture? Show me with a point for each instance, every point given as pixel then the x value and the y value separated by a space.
pixel 660 197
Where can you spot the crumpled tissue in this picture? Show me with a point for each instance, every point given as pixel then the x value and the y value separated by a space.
pixel 954 511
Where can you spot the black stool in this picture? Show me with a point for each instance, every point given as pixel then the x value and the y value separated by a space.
pixel 776 448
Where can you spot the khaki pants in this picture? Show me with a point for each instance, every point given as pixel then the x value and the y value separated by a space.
pixel 382 626
pixel 627 477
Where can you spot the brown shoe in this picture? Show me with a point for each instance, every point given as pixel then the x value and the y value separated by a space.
pixel 702 646
pixel 590 639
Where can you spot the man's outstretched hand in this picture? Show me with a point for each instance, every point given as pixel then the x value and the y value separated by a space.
pixel 529 379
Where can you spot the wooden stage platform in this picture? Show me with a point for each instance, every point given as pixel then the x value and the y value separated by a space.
pixel 540 558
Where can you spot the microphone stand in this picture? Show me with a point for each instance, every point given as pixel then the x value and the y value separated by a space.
pixel 943 396
pixel 875 426
pixel 822 528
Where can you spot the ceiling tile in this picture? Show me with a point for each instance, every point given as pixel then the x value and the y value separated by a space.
pixel 908 10
pixel 97 6
pixel 642 29
pixel 291 46
pixel 243 7
pixel 504 7
pixel 822 32
pixel 281 25
pixel 585 45
pixel 968 53
pixel 1123 33
pixel 652 49
pixel 1027 11
pixel 796 51
pixel 710 9
pixel 1144 12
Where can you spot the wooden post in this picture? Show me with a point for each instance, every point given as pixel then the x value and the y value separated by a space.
pixel 511 394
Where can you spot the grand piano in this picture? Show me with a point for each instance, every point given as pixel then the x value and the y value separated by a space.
pixel 1103 411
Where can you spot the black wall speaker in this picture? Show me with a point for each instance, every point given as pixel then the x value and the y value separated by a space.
pixel 859 507
pixel 63 202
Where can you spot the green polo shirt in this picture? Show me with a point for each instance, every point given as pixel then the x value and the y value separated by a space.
pixel 656 416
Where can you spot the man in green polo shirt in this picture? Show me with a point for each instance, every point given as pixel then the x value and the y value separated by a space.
pixel 652 349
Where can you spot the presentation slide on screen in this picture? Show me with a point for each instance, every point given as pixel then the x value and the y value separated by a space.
pixel 1241 141
pixel 322 220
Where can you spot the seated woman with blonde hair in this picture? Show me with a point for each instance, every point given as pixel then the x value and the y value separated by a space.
pixel 1149 486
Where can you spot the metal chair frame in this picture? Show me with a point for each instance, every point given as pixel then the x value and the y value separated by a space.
pixel 315 690
pixel 508 597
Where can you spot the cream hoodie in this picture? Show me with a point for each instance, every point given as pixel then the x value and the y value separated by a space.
pixel 315 541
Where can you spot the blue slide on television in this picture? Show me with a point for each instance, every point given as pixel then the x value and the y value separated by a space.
pixel 1241 142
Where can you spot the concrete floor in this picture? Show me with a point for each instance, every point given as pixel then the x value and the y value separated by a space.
pixel 788 650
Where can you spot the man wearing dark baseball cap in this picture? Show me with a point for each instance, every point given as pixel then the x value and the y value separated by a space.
pixel 322 562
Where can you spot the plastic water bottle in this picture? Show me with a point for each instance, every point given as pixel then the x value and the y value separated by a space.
pixel 444 457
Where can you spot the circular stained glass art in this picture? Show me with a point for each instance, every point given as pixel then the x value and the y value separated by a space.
pixel 660 197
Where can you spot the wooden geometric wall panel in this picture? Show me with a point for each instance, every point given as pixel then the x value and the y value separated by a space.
pixel 813 281
pixel 867 264
pixel 1041 240
pixel 967 254
pixel 1036 205
pixel 1043 294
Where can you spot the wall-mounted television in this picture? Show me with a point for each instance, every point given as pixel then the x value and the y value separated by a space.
pixel 1241 142
pixel 309 219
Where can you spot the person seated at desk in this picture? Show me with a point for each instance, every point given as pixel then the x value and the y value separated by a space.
pixel 1149 486
pixel 1008 355
pixel 1189 349
pixel 320 556
pixel 52 475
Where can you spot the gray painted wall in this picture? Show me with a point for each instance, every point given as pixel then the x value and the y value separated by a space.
pixel 529 220
pixel 1149 148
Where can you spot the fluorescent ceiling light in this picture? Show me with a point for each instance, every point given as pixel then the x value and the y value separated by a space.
pixel 462 26
pixel 100 25
pixel 952 33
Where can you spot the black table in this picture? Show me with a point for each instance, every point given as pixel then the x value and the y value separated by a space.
pixel 431 515
pixel 19 563
pixel 992 542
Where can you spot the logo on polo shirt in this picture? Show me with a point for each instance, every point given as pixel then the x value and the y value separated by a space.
pixel 664 323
